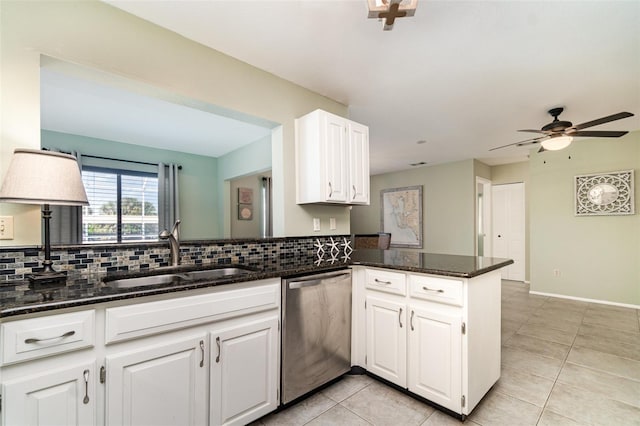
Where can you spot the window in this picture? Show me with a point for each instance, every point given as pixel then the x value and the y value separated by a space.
pixel 123 206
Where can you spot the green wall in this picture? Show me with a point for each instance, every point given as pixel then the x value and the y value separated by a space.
pixel 198 177
pixel 96 35
pixel 598 256
pixel 448 205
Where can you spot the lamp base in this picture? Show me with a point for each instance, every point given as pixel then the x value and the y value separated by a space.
pixel 48 277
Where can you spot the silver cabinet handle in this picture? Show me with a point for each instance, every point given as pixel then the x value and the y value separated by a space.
pixel 202 351
pixel 433 289
pixel 400 317
pixel 354 192
pixel 85 374
pixel 218 345
pixel 382 282
pixel 330 189
pixel 411 321
pixel 62 336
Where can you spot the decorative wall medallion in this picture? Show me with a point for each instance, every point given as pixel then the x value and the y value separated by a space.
pixel 604 194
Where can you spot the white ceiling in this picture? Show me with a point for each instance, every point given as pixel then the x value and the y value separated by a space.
pixel 79 106
pixel 462 75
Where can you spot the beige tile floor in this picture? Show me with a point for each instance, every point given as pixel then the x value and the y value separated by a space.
pixel 563 363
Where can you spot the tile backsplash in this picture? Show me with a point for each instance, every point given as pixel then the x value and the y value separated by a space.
pixel 16 262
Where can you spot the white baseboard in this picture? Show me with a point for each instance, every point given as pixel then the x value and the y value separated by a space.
pixel 584 299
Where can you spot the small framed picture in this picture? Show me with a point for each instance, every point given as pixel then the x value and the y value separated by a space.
pixel 245 211
pixel 245 196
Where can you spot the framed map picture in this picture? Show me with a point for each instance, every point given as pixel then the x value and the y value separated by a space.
pixel 401 215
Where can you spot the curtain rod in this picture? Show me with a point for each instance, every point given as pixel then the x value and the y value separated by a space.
pixel 126 161
pixel 115 159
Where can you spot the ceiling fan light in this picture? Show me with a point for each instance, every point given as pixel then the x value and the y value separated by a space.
pixel 557 143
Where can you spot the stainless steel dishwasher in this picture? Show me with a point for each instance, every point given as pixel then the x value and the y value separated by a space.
pixel 316 331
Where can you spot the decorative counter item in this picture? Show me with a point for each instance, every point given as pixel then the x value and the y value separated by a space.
pixel 46 178
pixel 604 194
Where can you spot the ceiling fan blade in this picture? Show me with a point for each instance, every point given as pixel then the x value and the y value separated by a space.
pixel 599 133
pixel 533 131
pixel 602 120
pixel 521 143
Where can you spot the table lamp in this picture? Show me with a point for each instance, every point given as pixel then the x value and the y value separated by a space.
pixel 44 177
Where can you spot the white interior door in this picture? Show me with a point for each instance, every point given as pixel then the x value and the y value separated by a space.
pixel 509 228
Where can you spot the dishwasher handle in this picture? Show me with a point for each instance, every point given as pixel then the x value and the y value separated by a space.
pixel 314 282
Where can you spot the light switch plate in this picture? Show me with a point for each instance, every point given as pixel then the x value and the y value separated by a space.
pixel 6 227
pixel 316 224
pixel 332 223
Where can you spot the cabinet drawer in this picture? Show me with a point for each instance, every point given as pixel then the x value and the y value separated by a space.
pixel 389 282
pixel 38 337
pixel 144 319
pixel 436 289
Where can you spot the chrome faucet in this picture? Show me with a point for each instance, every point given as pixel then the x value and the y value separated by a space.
pixel 174 243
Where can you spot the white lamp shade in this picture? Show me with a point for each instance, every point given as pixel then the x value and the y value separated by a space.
pixel 43 177
pixel 557 143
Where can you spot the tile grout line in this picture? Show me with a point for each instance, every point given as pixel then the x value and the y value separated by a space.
pixel 555 381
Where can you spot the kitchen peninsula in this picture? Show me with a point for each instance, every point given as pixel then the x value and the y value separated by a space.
pixel 90 341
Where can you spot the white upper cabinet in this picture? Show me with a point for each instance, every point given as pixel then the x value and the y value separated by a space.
pixel 332 160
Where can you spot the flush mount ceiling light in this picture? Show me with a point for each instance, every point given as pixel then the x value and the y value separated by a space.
pixel 557 143
pixel 389 10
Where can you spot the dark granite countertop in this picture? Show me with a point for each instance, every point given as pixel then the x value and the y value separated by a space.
pixel 81 289
pixel 429 263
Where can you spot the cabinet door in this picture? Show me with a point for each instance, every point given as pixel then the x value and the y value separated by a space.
pixel 336 159
pixel 387 339
pixel 244 372
pixel 435 357
pixel 61 397
pixel 358 163
pixel 158 385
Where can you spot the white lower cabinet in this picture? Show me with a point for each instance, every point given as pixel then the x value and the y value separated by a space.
pixel 164 384
pixel 435 357
pixel 386 339
pixel 244 372
pixel 208 356
pixel 52 397
pixel 438 337
pixel 415 348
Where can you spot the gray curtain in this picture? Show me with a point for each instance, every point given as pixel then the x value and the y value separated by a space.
pixel 66 221
pixel 168 196
pixel 267 223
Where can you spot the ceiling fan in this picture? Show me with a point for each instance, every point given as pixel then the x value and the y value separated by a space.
pixel 559 134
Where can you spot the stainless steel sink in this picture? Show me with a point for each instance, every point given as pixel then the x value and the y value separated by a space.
pixel 213 274
pixel 177 278
pixel 146 281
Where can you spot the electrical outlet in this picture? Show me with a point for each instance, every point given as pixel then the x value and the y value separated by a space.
pixel 6 227
pixel 556 272
pixel 316 224
pixel 332 223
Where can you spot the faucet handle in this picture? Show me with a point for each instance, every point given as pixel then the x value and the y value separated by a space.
pixel 176 229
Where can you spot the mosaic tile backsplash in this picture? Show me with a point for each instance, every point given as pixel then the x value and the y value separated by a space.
pixel 16 262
